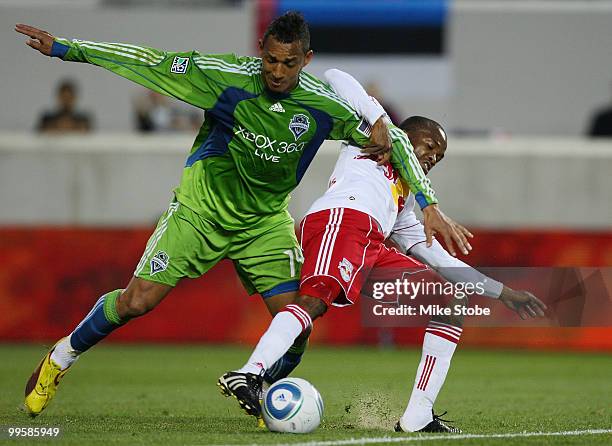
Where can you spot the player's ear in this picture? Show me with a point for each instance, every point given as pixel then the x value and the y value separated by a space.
pixel 261 47
pixel 308 57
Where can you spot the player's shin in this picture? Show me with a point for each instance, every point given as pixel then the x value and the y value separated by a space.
pixel 99 323
pixel 285 327
pixel 289 361
pixel 438 347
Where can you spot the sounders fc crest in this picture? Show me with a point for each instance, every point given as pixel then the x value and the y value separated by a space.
pixel 159 262
pixel 299 125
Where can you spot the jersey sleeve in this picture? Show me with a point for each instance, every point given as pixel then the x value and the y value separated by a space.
pixel 406 163
pixel 407 230
pixel 344 118
pixel 409 235
pixel 188 76
pixel 454 270
pixel 403 158
pixel 348 88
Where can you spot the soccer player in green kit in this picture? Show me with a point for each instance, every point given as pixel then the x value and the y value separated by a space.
pixel 265 120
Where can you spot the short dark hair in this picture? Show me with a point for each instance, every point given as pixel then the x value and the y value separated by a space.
pixel 416 123
pixel 288 28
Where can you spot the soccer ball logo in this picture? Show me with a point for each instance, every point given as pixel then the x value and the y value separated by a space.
pixel 292 405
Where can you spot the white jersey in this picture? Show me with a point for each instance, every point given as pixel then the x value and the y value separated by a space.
pixel 357 182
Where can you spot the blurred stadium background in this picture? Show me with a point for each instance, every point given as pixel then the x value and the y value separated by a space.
pixel 515 82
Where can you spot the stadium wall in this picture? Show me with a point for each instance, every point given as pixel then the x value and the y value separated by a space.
pixel 529 67
pixel 121 180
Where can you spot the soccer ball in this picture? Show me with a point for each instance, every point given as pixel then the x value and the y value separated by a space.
pixel 292 405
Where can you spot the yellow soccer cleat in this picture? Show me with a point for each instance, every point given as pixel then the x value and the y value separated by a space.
pixel 42 385
pixel 261 423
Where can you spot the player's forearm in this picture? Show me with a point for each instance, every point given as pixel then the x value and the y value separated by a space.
pixel 406 163
pixel 348 88
pixel 454 270
pixel 105 54
pixel 151 68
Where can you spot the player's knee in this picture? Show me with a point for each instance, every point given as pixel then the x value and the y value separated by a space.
pixel 314 306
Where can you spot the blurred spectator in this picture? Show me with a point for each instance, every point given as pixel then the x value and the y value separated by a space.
pixel 65 118
pixel 373 90
pixel 157 113
pixel 601 122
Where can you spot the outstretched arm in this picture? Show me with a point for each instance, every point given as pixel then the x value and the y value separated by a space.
pixel 187 76
pixel 409 235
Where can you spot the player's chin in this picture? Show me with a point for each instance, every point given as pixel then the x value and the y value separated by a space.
pixel 279 87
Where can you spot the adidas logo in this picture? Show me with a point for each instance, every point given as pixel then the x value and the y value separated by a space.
pixel 277 107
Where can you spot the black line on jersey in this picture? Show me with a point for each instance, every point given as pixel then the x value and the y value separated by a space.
pixel 407 227
pixel 417 243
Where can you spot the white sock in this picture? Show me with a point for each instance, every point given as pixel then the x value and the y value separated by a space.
pixel 438 347
pixel 63 354
pixel 284 328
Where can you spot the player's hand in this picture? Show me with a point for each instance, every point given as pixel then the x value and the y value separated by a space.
pixel 380 142
pixel 523 302
pixel 436 222
pixel 39 40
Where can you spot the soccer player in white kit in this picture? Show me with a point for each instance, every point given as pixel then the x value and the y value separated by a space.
pixel 342 237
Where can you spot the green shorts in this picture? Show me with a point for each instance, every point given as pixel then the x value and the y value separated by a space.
pixel 268 258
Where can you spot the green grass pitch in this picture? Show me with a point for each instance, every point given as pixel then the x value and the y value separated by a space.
pixel 166 395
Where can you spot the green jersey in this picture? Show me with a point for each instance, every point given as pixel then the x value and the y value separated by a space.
pixel 254 145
